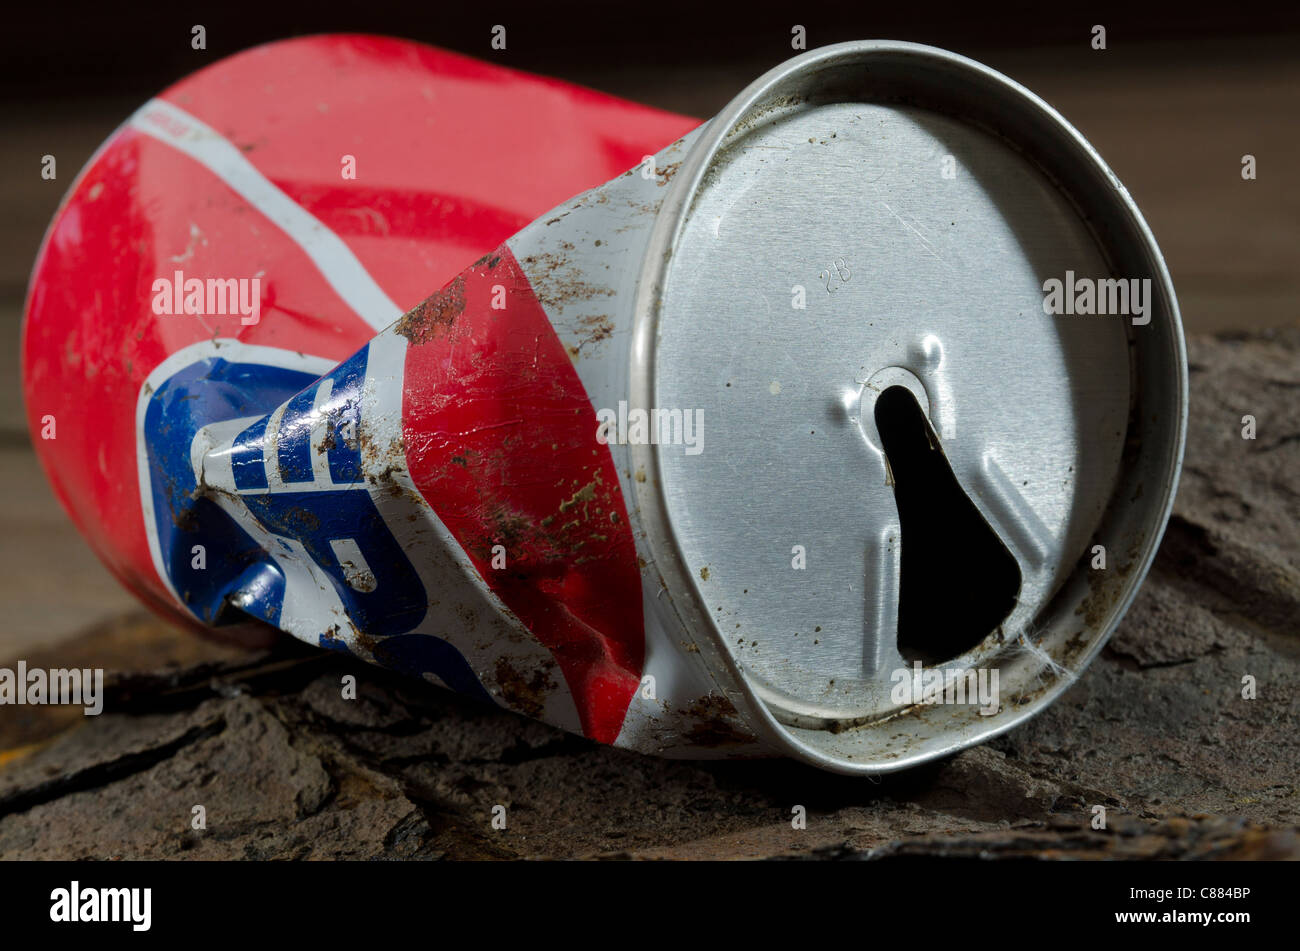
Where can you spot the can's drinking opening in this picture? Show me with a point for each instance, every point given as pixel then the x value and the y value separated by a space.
pixel 958 580
pixel 914 447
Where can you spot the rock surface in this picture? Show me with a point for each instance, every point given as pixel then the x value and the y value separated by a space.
pixel 1156 730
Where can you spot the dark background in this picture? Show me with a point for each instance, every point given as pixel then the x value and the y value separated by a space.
pixel 56 51
pixel 1179 95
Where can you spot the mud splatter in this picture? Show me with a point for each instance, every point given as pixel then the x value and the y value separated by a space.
pixel 594 329
pixel 526 694
pixel 558 281
pixel 667 172
pixel 435 316
pixel 717 723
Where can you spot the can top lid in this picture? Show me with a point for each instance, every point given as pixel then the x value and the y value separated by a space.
pixel 869 225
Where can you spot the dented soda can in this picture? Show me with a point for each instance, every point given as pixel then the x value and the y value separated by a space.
pixel 843 426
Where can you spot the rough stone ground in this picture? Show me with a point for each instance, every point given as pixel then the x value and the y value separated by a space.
pixel 1156 729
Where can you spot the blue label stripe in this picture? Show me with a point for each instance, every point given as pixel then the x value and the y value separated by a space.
pixel 336 524
pixel 247 457
pixel 293 441
pixel 345 420
pixel 416 654
pixel 208 391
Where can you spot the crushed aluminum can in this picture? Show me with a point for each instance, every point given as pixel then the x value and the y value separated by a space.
pixel 644 469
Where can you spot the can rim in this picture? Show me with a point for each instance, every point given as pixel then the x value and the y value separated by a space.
pixel 686 602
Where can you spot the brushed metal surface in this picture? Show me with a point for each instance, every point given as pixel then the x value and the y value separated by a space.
pixel 941 277
pixel 1064 432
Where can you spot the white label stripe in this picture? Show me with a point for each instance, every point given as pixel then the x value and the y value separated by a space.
pixel 332 257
